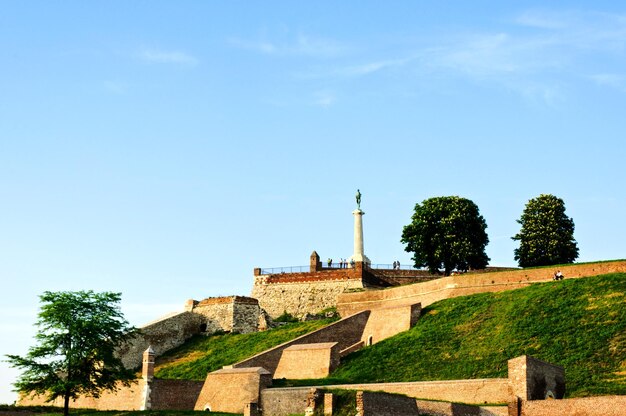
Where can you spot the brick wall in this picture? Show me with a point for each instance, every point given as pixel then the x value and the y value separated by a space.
pixel 387 322
pixel 345 332
pixel 308 361
pixel 284 402
pixel 229 390
pixel 461 285
pixel 125 398
pixel 533 379
pixel 433 408
pixel 587 406
pixel 174 394
pixel 481 391
pixel 376 403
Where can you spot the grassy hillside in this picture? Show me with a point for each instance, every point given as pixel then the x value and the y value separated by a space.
pixel 578 324
pixel 203 354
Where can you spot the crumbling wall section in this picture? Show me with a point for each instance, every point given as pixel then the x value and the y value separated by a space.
pixel 299 294
pixel 164 334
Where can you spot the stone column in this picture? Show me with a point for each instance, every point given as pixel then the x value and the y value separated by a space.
pixel 314 262
pixel 359 253
pixel 147 373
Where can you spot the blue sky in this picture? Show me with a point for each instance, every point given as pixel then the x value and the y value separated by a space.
pixel 165 149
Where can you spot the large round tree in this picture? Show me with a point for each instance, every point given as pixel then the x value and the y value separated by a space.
pixel 447 233
pixel 75 355
pixel 547 234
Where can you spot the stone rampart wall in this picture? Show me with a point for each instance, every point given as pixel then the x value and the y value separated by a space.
pixel 387 322
pixel 308 361
pixel 390 277
pixel 216 316
pixel 479 391
pixel 314 276
pixel 376 403
pixel 246 317
pixel 434 408
pixel 299 297
pixel 163 395
pixel 345 332
pixel 125 398
pixel 174 394
pixel 162 335
pixel 587 406
pixel 467 284
pixel 533 379
pixel 229 390
pixel 284 402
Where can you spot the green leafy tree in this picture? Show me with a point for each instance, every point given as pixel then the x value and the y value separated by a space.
pixel 547 234
pixel 447 232
pixel 75 352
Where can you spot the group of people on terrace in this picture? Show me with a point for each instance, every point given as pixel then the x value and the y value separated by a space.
pixel 343 263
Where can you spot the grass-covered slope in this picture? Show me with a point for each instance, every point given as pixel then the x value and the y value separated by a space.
pixel 203 354
pixel 579 324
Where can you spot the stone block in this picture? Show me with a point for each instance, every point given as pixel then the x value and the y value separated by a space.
pixel 230 390
pixel 533 379
pixel 304 361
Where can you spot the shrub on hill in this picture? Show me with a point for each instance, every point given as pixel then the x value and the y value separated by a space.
pixel 579 324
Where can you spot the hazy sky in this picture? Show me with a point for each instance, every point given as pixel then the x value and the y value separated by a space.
pixel 165 149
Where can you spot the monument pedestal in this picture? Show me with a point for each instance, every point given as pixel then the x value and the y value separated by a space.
pixel 359 254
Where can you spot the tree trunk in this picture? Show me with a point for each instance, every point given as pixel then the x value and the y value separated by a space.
pixel 66 404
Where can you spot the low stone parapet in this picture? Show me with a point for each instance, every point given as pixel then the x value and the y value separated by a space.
pixel 587 406
pixel 304 361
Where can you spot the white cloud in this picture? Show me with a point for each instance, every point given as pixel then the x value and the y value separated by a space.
pixel 610 80
pixel 541 19
pixel 301 45
pixel 114 87
pixel 167 57
pixel 371 67
pixel 324 98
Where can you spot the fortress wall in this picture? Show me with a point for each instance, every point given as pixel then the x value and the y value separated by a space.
pixel 387 322
pixel 304 295
pixel 162 335
pixel 229 390
pixel 378 403
pixel 588 406
pixel 230 313
pixel 125 398
pixel 390 277
pixel 246 316
pixel 216 313
pixel 467 284
pixel 174 394
pixel 284 401
pixel 455 409
pixel 479 391
pixel 164 395
pixel 534 379
pixel 321 359
pixel 346 332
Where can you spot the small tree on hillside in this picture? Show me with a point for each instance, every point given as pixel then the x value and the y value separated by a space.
pixel 75 353
pixel 447 232
pixel 547 234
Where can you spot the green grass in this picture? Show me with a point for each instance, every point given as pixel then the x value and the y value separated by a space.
pixel 203 354
pixel 556 266
pixel 579 324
